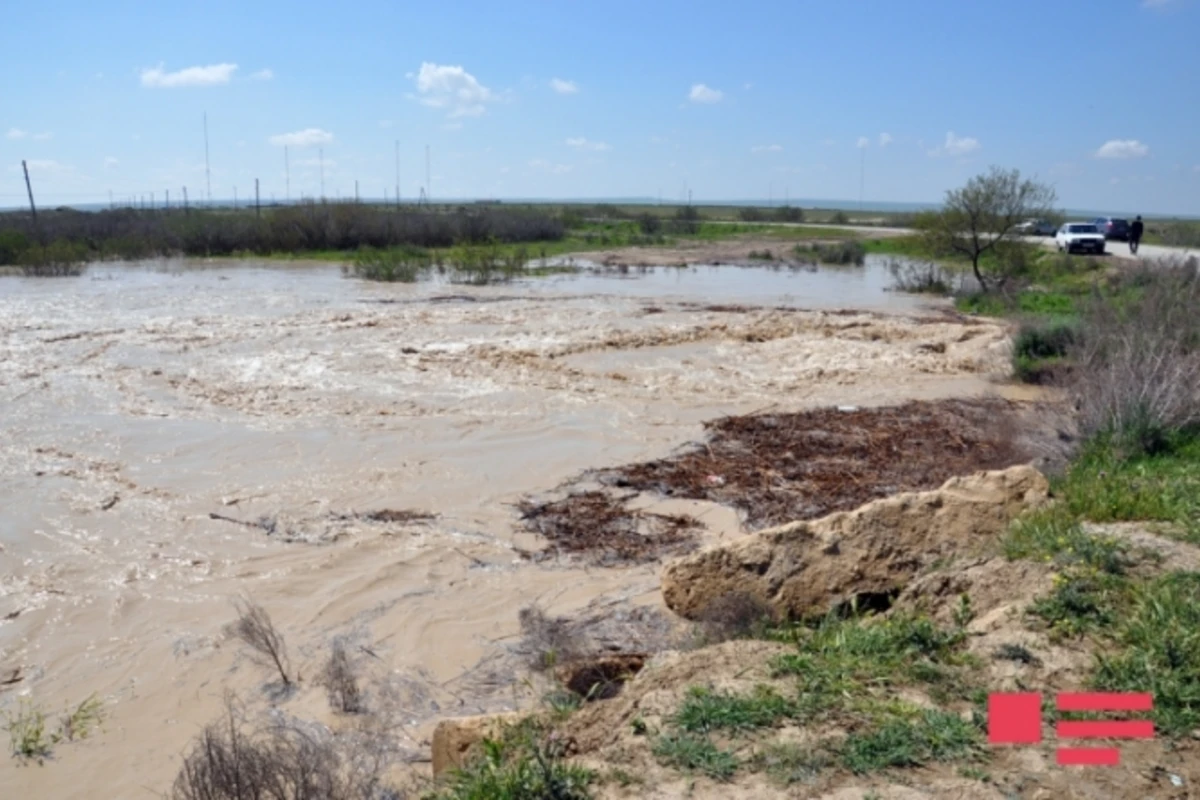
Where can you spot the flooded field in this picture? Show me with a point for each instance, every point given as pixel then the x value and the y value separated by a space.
pixel 175 434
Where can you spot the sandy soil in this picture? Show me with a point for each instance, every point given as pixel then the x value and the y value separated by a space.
pixel 135 403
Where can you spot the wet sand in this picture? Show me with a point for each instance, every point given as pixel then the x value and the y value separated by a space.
pixel 139 400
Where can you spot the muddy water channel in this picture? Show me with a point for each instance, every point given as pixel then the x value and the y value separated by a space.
pixel 175 434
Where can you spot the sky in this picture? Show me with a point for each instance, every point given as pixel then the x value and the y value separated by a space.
pixel 859 99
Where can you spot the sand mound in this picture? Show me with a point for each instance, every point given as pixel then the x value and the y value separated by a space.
pixel 807 568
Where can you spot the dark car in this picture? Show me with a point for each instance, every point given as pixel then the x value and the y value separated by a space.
pixel 1113 228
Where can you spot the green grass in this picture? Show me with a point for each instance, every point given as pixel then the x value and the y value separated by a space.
pixel 704 711
pixel 689 752
pixel 30 736
pixel 1105 486
pixel 843 665
pixel 933 735
pixel 519 765
pixel 1145 626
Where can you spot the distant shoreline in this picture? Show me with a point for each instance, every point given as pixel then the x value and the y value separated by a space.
pixel 847 206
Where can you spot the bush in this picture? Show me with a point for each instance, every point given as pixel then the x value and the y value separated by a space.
pixel 1137 361
pixel 129 233
pixel 229 761
pixel 649 224
pixel 686 221
pixel 751 214
pixel 340 680
pixel 839 218
pixel 850 251
pixel 789 214
pixel 921 277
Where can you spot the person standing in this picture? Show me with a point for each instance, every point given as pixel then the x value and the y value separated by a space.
pixel 1135 235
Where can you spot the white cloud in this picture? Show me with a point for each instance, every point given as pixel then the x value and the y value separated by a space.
pixel 580 143
pixel 957 145
pixel 262 75
pixel 17 133
pixel 453 88
pixel 702 94
pixel 564 87
pixel 110 163
pixel 546 166
pixel 309 137
pixel 212 75
pixel 1122 148
pixel 885 139
pixel 767 148
pixel 863 143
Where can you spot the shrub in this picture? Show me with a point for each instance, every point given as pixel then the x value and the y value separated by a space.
pixel 340 680
pixel 921 277
pixel 751 214
pixel 230 761
pixel 789 214
pixel 1137 360
pixel 849 251
pixel 255 628
pixel 649 224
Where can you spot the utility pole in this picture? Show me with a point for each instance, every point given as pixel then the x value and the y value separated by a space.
pixel 168 203
pixel 235 198
pixel 257 207
pixel 356 191
pixel 862 179
pixel 207 173
pixel 29 188
pixel 185 204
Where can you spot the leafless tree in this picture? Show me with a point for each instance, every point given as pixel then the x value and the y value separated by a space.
pixel 255 628
pixel 981 218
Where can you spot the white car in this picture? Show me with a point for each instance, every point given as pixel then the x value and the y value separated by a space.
pixel 1081 237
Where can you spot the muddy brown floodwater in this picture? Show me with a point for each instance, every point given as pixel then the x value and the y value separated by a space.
pixel 147 410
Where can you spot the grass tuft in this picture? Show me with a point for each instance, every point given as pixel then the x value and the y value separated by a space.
pixel 692 753
pixel 932 736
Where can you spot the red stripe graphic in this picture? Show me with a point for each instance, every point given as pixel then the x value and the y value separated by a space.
pixel 1088 756
pixel 1105 701
pixel 1105 729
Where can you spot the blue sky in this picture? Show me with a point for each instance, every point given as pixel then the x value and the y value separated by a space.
pixel 612 99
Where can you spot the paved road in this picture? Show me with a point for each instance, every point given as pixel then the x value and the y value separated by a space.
pixel 1146 251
